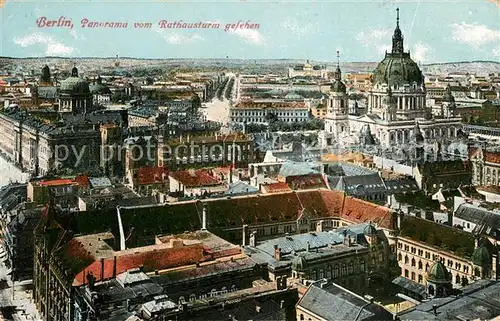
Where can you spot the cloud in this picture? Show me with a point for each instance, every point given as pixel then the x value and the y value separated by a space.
pixel 375 39
pixel 251 36
pixel 420 52
pixel 53 47
pixel 177 38
pixel 75 35
pixel 496 51
pixel 474 34
pixel 298 30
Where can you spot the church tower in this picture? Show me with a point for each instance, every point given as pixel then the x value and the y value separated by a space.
pixel 45 78
pixel 336 121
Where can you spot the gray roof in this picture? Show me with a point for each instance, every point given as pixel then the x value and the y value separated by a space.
pixel 488 222
pixel 478 301
pixel 361 185
pixel 401 185
pixel 100 182
pixel 332 302
pixel 298 169
pixel 410 286
pixel 47 92
pixel 241 188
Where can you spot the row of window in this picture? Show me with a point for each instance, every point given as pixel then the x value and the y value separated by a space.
pixel 435 257
pixel 336 271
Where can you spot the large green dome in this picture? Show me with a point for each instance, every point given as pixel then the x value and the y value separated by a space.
pixel 74 84
pixel 438 273
pixel 481 256
pixel 398 69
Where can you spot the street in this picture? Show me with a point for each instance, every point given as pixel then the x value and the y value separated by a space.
pixel 218 110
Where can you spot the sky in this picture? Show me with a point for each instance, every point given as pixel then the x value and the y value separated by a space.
pixel 434 31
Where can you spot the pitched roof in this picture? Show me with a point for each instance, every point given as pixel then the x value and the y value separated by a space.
pixel 333 302
pixel 195 178
pixel 278 187
pixel 82 180
pixel 438 235
pixel 312 181
pixel 360 211
pixel 151 175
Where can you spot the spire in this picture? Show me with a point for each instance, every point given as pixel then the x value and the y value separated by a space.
pixel 397 38
pixel 338 73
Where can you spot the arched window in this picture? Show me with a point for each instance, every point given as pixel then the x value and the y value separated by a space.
pixel 321 274
pixel 420 265
pixel 344 269
pixel 427 267
pixel 457 279
pixel 301 317
pixel 181 300
pixel 192 297
pixel 351 268
pixel 413 262
pixel 336 271
pixel 406 259
pixel 400 257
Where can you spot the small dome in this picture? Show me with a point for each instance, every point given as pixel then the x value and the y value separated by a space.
pixel 481 256
pixel 338 86
pixel 370 230
pixel 438 273
pixel 75 85
pixel 299 263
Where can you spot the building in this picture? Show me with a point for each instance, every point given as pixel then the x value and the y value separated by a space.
pixel 101 94
pixel 193 183
pixel 74 95
pixel 355 256
pixel 477 301
pixel 446 174
pixel 485 166
pixel 422 243
pixel 396 103
pixel 325 301
pixel 247 112
pixel 307 70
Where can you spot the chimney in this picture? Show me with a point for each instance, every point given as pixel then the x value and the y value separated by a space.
pixel 204 218
pixel 122 232
pixel 277 253
pixel 252 239
pixel 450 217
pixel 282 304
pixel 308 246
pixel 434 309
pixel 494 263
pixel 476 242
pixel 319 226
pixel 245 232
pixel 389 201
pixel 400 219
pixel 114 266
pixel 257 308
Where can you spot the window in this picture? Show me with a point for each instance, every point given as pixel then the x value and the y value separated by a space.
pixel 351 268
pixel 420 265
pixel 413 276
pixel 344 270
pixel 321 274
pixel 406 273
pixel 336 271
pixel 400 257
pixel 406 260
pixel 457 279
pixel 301 317
pixel 362 266
pixel 420 278
pixel 412 262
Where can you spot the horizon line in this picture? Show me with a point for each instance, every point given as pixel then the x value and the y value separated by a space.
pixel 241 59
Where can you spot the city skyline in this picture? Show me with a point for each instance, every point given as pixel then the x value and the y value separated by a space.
pixel 433 32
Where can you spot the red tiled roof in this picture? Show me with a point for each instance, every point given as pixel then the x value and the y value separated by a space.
pixel 56 182
pixel 276 187
pixel 155 259
pixel 82 180
pixel 306 182
pixel 151 175
pixel 360 211
pixel 198 178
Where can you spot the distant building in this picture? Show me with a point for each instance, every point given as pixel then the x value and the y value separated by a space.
pixel 307 70
pixel 264 112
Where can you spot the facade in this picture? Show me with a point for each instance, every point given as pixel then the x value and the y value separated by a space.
pixel 261 112
pixel 465 259
pixel 396 103
pixel 446 175
pixel 485 166
pixel 202 151
pixel 307 70
pixel 356 256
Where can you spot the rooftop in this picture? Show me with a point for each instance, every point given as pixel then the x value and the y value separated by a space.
pixel 333 302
